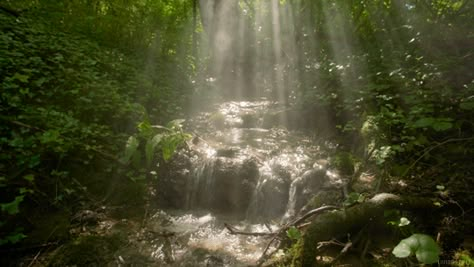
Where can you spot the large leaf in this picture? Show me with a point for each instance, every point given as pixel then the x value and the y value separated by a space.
pixel 130 148
pixel 150 148
pixel 12 207
pixel 293 233
pixel 423 246
pixel 424 122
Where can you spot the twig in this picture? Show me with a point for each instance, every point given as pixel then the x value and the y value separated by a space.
pixel 330 242
pixel 35 258
pixel 234 231
pixel 309 214
pixel 294 223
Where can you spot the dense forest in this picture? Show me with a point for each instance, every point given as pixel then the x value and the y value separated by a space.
pixel 102 124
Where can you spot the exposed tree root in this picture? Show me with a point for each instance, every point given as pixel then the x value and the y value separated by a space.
pixel 275 235
pixel 340 223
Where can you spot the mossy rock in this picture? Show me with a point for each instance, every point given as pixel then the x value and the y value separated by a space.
pixel 332 197
pixel 88 251
pixel 249 120
pixel 217 120
pixel 344 162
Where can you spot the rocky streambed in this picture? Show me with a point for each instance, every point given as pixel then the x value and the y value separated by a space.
pixel 245 166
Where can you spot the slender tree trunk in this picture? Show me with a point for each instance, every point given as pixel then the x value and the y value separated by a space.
pixel 195 42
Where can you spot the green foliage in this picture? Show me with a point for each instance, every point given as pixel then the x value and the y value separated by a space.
pixel 75 77
pixel 154 138
pixel 422 246
pixel 462 258
pixel 13 237
pixel 12 207
pixel 354 198
pixel 293 233
pixel 344 162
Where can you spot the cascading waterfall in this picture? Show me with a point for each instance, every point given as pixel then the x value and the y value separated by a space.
pixel 255 171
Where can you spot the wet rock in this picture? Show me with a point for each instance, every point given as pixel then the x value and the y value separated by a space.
pixel 272 193
pixel 273 197
pixel 173 180
pixel 213 261
pixel 87 217
pixel 249 120
pixel 228 152
pixel 201 257
pixel 233 185
pixel 365 183
pixel 330 197
pixel 308 185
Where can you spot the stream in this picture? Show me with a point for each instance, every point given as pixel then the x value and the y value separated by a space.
pixel 244 168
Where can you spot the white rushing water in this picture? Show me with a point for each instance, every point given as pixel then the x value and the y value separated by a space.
pixel 247 170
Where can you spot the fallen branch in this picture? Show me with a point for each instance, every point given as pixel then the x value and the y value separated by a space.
pixel 281 231
pixel 295 223
pixel 311 213
pixel 235 231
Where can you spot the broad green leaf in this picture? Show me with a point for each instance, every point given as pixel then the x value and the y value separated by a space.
pixel 293 233
pixel 15 238
pixel 440 187
pixel 130 148
pixel 150 148
pixel 145 128
pixel 442 126
pixel 428 251
pixel 29 177
pixel 424 122
pixel 402 250
pixel 21 77
pixel 423 246
pixel 12 207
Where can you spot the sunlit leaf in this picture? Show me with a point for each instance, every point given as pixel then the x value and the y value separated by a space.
pixel 130 148
pixel 403 222
pixel 293 233
pixel 150 148
pixel 423 246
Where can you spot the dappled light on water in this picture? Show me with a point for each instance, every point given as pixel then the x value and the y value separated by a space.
pixel 198 237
